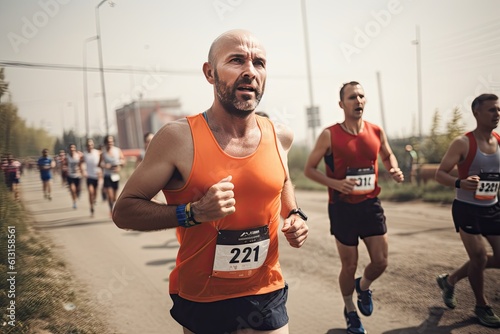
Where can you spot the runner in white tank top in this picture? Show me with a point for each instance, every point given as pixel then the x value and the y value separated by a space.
pixel 92 172
pixel 74 166
pixel 111 161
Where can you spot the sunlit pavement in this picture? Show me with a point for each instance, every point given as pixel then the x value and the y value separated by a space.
pixel 126 273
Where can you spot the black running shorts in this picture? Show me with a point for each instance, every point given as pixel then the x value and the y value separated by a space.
pixel 73 180
pixel 476 219
pixel 349 222
pixel 92 182
pixel 108 183
pixel 260 312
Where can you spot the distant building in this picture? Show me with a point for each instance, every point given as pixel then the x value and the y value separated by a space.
pixel 149 115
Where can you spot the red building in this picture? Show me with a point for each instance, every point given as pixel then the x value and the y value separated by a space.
pixel 139 117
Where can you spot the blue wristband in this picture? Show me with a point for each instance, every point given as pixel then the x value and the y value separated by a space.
pixel 185 216
pixel 180 212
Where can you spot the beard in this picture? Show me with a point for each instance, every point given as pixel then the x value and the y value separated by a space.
pixel 227 97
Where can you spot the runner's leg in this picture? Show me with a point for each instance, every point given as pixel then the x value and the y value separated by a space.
pixel 494 259
pixel 378 250
pixel 349 263
pixel 474 245
pixel 91 191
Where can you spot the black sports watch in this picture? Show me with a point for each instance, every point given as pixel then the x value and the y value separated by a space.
pixel 298 212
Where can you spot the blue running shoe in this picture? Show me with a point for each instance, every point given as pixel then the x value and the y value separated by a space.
pixel 354 325
pixel 365 303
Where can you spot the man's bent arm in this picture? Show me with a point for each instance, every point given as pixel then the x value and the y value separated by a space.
pixel 134 208
pixel 288 201
pixel 285 138
pixel 451 158
pixel 321 148
pixel 143 215
pixel 389 159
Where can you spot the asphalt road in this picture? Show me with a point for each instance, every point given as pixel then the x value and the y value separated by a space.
pixel 126 273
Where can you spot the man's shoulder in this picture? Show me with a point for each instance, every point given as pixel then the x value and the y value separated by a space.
pixel 372 125
pixel 181 121
pixel 333 126
pixel 284 134
pixel 176 128
pixel 465 138
pixel 462 143
pixel 172 139
pixel 114 149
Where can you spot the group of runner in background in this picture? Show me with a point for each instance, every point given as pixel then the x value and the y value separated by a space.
pixel 99 168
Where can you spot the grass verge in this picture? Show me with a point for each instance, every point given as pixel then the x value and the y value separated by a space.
pixel 429 192
pixel 37 292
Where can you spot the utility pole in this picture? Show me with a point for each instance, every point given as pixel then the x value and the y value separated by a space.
pixel 312 112
pixel 85 88
pixel 138 122
pixel 101 68
pixel 417 43
pixel 381 98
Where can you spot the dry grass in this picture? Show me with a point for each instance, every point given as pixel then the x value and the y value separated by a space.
pixel 47 298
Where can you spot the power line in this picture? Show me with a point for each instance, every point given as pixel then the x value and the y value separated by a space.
pixel 68 67
pixel 471 55
pixel 118 69
pixel 488 64
pixel 476 44
pixel 476 47
pixel 461 37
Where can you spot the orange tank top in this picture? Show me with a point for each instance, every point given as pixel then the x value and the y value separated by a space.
pixel 258 180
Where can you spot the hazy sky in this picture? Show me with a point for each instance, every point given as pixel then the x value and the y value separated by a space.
pixel 349 40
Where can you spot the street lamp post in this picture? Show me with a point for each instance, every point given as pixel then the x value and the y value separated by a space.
pixel 138 122
pixel 101 69
pixel 312 112
pixel 85 91
pixel 417 43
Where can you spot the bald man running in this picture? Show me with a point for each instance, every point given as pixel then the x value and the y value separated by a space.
pixel 225 177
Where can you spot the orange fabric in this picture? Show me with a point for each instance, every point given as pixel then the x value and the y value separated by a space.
pixel 355 151
pixel 258 180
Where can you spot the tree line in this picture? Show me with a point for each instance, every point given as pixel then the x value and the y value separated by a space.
pixel 21 140
pixel 17 137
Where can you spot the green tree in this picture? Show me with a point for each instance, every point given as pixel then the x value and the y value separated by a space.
pixel 71 137
pixel 58 145
pixel 435 145
pixel 8 118
pixel 6 115
pixel 431 147
pixel 455 126
pixel 4 86
pixel 15 136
